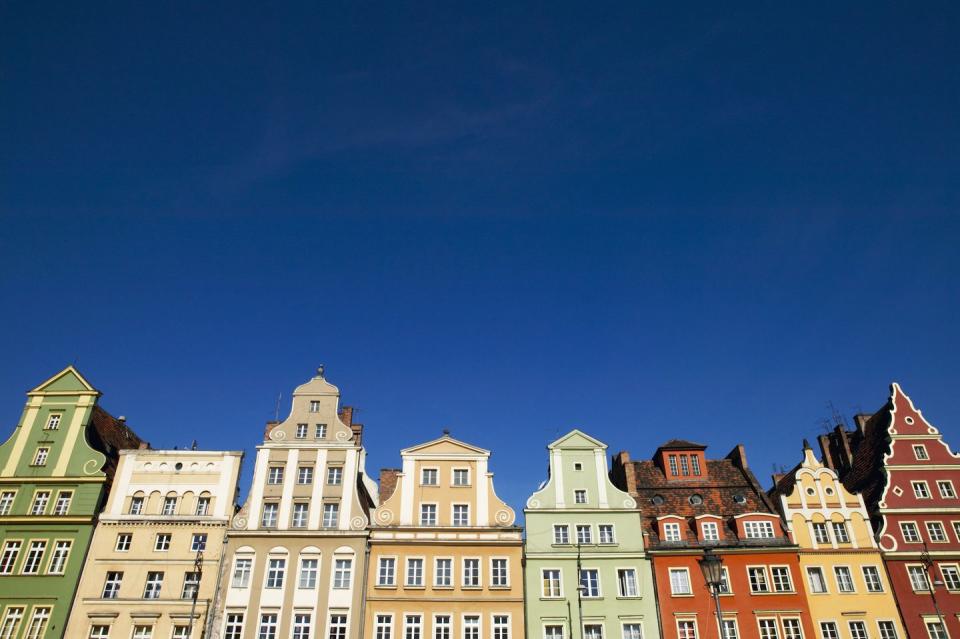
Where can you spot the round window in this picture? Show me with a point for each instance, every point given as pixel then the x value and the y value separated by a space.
pixel 657 500
pixel 179 466
pixel 696 500
pixel 829 491
pixel 740 499
pixel 909 420
pixel 810 491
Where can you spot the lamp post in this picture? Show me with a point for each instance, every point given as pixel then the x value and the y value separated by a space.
pixel 198 568
pixel 931 577
pixel 711 564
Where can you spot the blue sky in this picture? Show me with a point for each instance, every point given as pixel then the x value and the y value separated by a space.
pixel 647 222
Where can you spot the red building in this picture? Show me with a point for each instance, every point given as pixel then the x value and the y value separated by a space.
pixel 909 479
pixel 690 503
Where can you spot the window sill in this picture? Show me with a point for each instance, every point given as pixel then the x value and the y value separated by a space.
pixel 385 587
pixel 507 587
pixel 471 587
pixel 443 587
pixel 409 587
pixel 628 597
pixel 681 594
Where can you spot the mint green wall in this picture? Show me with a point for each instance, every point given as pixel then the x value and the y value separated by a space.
pixel 70 395
pixel 554 504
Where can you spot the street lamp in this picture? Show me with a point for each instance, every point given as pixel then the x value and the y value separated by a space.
pixel 932 578
pixel 711 564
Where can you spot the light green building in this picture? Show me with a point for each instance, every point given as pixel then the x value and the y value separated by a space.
pixel 55 471
pixel 578 518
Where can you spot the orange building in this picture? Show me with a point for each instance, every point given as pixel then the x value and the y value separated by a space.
pixel 691 504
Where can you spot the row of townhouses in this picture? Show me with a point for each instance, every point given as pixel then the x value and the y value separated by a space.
pixel 103 537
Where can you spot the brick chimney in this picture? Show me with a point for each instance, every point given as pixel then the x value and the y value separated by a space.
pixel 357 433
pixel 269 427
pixel 738 456
pixel 346 415
pixel 622 474
pixel 388 482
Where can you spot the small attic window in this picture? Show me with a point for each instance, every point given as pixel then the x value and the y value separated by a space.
pixel 314 407
pixel 740 499
pixel 696 500
pixel 657 500
pixel 179 466
pixel 810 491
pixel 578 466
pixel 908 419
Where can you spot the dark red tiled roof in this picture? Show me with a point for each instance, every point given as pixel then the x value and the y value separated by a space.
pixel 681 444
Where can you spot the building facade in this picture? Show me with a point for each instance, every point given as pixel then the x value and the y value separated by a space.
pixel 689 504
pixel 848 592
pixel 445 556
pixel 909 478
pixel 582 530
pixel 295 555
pixel 157 546
pixel 55 471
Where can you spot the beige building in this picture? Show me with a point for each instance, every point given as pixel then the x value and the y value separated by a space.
pixel 157 546
pixel 295 553
pixel 445 556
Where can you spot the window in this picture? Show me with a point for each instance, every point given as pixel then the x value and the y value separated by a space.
pixel 136 505
pixel 680 581
pixel 443 572
pixel 412 627
pixel 276 571
pixel 320 431
pixel 101 631
pixel 275 475
pixel 142 632
pixel 338 627
pixel 910 533
pixel 308 574
pixel 671 531
pixel 442 627
pixel 461 515
pixel 627 582
pixel 58 561
pixel 53 421
pixel 710 531
pixel 730 630
pixel 840 532
pixel 40 457
pixel 471 573
pixel 123 542
pixel 606 533
pixel 40 501
pixel 920 452
pixel 387 572
pixel 301 625
pixel 11 622
pixel 724 587
pixel 301 512
pixel 162 542
pixel 844 579
pixel 461 477
pixel 577 466
pixel 31 564
pixel 579 496
pixel 414 572
pixel 946 489
pixel 920 489
pixel 592 631
pixel 780 575
pixel 956 529
pixel 301 431
pixel 758 529
pixel 684 465
pixel 951 577
pixel 815 578
pixel 871 577
pixel 305 475
pixel 153 586
pixel 499 573
pixel 242 568
pixel 111 586
pixel 269 517
pixel 551 583
pixel 428 514
pixel 918 578
pixel 11 550
pixel 792 629
pixel 6 501
pixel 695 463
pixel 936 630
pixel 342 573
pixel 584 534
pixel 335 475
pixel 561 534
pixel 936 531
pixel 887 630
pixel 501 627
pixel 632 631
pixel 758 579
pixel 553 632
pixel 686 629
pixel 672 459
pixel 428 477
pixel 198 543
pixel 203 506
pixel 62 505
pixel 590 582
pixel 268 626
pixel 383 627
pixel 331 515
pixel 768 629
pixel 191 585
pixel 828 630
pixel 170 506
pixel 820 533
pixel 471 627
pixel 314 406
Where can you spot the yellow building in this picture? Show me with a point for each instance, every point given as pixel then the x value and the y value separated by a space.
pixel 156 544
pixel 445 556
pixel 846 583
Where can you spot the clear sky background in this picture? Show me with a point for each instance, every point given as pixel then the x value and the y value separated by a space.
pixel 702 222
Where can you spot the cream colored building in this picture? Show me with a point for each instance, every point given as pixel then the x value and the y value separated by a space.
pixel 295 553
pixel 158 541
pixel 445 556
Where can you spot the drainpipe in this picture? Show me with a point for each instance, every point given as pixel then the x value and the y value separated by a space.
pixel 212 611
pixel 363 592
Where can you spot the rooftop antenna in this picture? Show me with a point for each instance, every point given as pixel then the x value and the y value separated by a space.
pixel 276 414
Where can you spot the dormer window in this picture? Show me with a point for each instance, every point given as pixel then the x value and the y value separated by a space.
pixel 695 463
pixel 314 406
pixel 672 460
pixel 709 531
pixel 671 531
pixel 758 529
pixel 684 465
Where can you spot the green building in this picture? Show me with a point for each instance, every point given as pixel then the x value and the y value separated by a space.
pixel 578 522
pixel 55 472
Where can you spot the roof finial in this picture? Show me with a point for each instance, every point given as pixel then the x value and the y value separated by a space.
pixel 320 371
pixel 446 432
pixel 806 444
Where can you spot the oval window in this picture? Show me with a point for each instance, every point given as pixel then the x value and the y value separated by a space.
pixel 696 500
pixel 657 500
